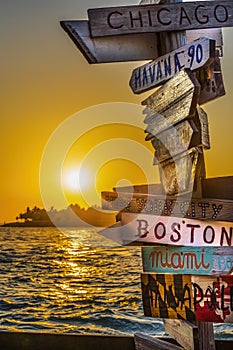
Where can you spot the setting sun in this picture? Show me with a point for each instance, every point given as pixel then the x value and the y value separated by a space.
pixel 70 180
pixel 75 179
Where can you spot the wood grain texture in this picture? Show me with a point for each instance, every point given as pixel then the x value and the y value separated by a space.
pixel 188 260
pixel 218 187
pixel 184 332
pixel 181 206
pixel 171 40
pixel 192 56
pixel 206 335
pixel 201 137
pixel 211 81
pixel 158 18
pixel 173 141
pixel 175 101
pixel 181 137
pixel 177 175
pixel 187 297
pixel 212 33
pixel 125 47
pixel 28 340
pixel 115 49
pixel 146 342
pixel 152 229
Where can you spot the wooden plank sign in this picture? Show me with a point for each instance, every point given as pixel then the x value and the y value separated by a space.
pixel 185 207
pixel 159 18
pixel 212 33
pixel 201 137
pixel 184 332
pixel 177 174
pixel 211 81
pixel 175 101
pixel 124 48
pixel 188 260
pixel 192 56
pixel 115 49
pixel 181 137
pixel 146 342
pixel 187 297
pixel 173 141
pixel 177 231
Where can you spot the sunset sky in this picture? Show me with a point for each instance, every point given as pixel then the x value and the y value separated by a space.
pixel 48 89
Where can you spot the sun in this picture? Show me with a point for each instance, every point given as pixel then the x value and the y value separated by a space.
pixel 75 179
pixel 70 179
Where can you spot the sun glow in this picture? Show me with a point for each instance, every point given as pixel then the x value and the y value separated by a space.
pixel 75 179
pixel 71 180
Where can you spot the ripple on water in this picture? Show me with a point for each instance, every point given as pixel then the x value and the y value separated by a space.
pixel 74 281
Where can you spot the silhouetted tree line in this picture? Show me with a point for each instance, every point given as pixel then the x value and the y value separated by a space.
pixel 73 215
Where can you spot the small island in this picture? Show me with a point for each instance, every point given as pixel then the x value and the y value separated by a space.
pixel 72 216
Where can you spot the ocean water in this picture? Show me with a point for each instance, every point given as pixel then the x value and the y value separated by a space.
pixel 73 281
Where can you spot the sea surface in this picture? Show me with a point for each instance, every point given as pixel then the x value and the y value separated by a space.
pixel 73 281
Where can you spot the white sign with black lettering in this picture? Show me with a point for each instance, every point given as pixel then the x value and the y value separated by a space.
pixel 177 231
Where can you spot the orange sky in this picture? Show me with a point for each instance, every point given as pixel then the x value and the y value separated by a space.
pixel 45 80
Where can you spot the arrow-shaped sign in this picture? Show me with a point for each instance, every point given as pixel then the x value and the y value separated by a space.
pixel 176 231
pixel 172 141
pixel 115 49
pixel 187 260
pixel 124 48
pixel 175 101
pixel 181 137
pixel 192 56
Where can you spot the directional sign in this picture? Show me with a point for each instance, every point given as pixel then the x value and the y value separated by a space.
pixel 115 49
pixel 188 260
pixel 187 297
pixel 177 174
pixel 192 56
pixel 125 47
pixel 193 208
pixel 181 137
pixel 177 231
pixel 175 101
pixel 173 141
pixel 212 33
pixel 159 18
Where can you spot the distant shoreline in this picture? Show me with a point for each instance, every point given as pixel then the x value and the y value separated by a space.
pixel 38 224
pixel 50 224
pixel 73 216
pixel 27 224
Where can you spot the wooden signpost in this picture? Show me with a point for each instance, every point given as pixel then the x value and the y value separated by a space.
pixel 116 49
pixel 153 229
pixel 192 56
pixel 177 174
pixel 188 260
pixel 184 207
pixel 181 137
pixel 187 297
pixel 184 332
pixel 189 281
pixel 122 48
pixel 159 18
pixel 175 101
pixel 211 81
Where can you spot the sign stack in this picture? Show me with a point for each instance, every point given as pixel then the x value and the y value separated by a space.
pixel 189 281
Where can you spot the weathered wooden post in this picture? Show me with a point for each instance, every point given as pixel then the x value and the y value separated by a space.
pixel 188 282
